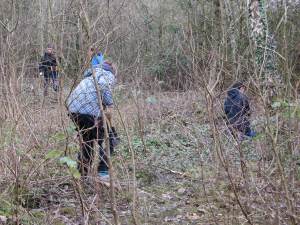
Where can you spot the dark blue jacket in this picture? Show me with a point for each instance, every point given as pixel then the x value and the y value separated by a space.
pixel 236 107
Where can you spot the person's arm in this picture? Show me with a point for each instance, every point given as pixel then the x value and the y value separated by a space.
pixel 246 107
pixel 53 63
pixel 226 107
pixel 87 73
pixel 109 114
pixel 107 101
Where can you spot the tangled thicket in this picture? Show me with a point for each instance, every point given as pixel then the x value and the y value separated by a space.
pixel 176 163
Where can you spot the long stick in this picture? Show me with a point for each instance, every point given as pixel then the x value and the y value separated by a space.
pixel 107 145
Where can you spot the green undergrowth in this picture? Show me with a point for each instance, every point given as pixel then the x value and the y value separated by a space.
pixel 180 177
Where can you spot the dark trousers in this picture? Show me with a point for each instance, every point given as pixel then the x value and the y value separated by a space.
pixel 90 129
pixel 50 78
pixel 242 125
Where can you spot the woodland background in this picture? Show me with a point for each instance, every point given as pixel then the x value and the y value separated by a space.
pixel 176 164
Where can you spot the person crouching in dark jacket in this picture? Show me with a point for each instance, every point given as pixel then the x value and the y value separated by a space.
pixel 237 110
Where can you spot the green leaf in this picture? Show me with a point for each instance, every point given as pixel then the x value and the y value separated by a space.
pixel 286 104
pixel 288 114
pixel 75 173
pixel 72 166
pixel 71 129
pixel 73 148
pixel 59 136
pixel 70 162
pixel 258 137
pixel 53 154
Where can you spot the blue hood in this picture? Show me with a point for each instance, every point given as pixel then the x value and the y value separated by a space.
pixel 233 93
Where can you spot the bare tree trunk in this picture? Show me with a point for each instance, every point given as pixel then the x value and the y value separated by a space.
pixel 231 12
pixel 268 77
pixel 264 48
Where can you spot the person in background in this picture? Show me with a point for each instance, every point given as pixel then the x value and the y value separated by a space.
pixel 48 69
pixel 237 110
pixel 85 111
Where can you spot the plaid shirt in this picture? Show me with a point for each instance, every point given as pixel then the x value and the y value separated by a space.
pixel 84 99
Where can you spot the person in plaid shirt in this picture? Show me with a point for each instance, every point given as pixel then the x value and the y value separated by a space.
pixel 84 110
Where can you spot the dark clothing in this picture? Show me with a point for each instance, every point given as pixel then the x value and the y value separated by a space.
pixel 51 79
pixel 48 66
pixel 237 111
pixel 90 129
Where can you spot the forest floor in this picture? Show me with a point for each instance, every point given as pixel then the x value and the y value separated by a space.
pixel 179 176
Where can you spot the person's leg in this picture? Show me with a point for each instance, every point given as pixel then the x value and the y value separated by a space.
pixel 46 84
pixel 86 155
pixel 103 162
pixel 54 80
pixel 86 140
pixel 250 133
pixel 246 130
pixel 232 128
pixel 103 166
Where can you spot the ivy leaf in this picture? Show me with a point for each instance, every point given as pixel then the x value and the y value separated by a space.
pixel 53 154
pixel 72 165
pixel 71 129
pixel 75 173
pixel 59 136
pixel 70 162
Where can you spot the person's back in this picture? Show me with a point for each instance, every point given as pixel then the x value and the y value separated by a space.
pixel 236 105
pixel 84 108
pixel 85 94
pixel 237 109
